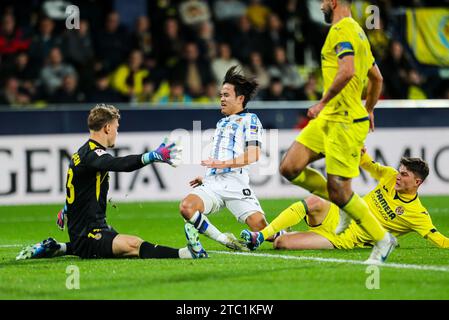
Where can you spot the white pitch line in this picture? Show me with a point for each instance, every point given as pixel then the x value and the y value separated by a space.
pixel 318 259
pixel 334 260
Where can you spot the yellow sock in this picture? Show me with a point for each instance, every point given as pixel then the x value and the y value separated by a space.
pixel 312 180
pixel 287 218
pixel 358 210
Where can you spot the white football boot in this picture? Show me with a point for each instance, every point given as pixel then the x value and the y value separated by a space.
pixel 382 250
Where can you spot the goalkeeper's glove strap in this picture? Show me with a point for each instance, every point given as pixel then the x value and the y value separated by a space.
pixel 150 157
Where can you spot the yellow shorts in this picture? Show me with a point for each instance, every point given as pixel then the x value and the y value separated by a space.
pixel 353 237
pixel 339 142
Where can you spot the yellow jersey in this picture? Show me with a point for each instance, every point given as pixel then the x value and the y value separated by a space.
pixel 346 37
pixel 398 213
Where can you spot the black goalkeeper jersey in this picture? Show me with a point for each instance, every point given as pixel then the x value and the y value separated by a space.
pixel 88 184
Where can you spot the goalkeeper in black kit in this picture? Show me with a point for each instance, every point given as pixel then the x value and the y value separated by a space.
pixel 87 189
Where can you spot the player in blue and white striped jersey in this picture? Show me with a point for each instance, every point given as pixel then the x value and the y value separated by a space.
pixel 236 144
pixel 233 135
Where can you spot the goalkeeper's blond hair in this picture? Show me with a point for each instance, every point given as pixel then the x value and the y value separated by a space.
pixel 101 115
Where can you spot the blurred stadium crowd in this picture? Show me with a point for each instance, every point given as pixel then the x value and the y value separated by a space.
pixel 166 51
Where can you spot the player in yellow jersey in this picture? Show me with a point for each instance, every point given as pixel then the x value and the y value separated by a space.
pixel 340 124
pixel 394 202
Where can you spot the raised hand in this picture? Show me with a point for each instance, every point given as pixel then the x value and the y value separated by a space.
pixel 315 110
pixel 196 182
pixel 164 153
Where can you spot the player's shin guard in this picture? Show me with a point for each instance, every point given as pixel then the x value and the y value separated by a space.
pixel 203 225
pixel 153 251
pixel 358 210
pixel 287 218
pixel 313 181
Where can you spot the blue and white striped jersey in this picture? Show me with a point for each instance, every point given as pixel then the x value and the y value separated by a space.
pixel 232 136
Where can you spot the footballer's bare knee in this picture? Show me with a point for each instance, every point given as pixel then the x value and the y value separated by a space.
pixel 256 221
pixel 126 246
pixel 295 160
pixel 317 209
pixel 314 204
pixel 132 246
pixel 289 170
pixel 189 205
pixel 187 209
pixel 134 243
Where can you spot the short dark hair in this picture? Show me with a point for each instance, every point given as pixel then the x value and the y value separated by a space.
pixel 242 85
pixel 416 165
pixel 101 115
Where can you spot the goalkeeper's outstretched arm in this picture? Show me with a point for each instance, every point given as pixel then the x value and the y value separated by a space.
pixel 104 161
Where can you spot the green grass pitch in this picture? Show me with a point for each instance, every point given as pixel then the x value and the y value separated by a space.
pixel 222 276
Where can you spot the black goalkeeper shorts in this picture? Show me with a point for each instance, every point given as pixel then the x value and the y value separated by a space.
pixel 96 245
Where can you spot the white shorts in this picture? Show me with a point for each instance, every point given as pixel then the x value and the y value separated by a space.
pixel 231 190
